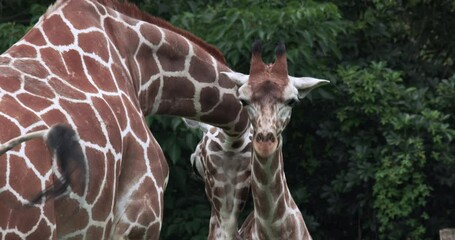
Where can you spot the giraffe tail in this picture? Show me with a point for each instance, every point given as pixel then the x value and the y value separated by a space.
pixel 63 141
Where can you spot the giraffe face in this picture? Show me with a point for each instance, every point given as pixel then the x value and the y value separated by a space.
pixel 268 94
pixel 269 107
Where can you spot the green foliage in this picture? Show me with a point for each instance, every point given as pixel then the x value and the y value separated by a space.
pixel 309 29
pixel 409 132
pixel 10 33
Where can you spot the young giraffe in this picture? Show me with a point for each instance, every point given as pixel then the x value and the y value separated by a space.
pixel 268 94
pixel 223 163
pixel 99 66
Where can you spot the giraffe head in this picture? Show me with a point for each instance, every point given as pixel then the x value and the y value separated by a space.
pixel 269 93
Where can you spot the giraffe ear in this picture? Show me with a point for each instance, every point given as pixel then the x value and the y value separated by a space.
pixel 306 84
pixel 238 78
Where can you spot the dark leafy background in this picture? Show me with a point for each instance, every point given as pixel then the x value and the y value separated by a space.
pixel 370 156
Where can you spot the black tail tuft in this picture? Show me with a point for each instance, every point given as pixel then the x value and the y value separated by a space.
pixel 64 141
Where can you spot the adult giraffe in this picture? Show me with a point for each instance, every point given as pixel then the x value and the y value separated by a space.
pixel 99 66
pixel 268 94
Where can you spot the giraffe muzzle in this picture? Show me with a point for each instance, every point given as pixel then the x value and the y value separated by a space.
pixel 265 144
pixel 269 137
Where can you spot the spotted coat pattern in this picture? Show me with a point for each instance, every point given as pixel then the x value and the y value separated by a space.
pixel 99 66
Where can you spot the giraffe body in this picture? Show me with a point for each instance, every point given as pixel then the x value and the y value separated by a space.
pixel 223 161
pixel 268 94
pixel 99 66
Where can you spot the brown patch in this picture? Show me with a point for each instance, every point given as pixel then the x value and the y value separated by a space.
pixel 220 176
pixel 31 67
pixel 24 180
pixel 76 76
pixel 94 42
pixel 69 209
pixel 35 37
pixel 7 71
pixel 148 98
pixel 136 232
pixel 41 232
pixel 100 75
pixel 96 162
pixel 216 203
pixel 118 109
pixel 35 148
pixel 101 9
pixel 280 209
pixel 124 38
pixel 215 147
pixel 102 207
pixel 172 55
pixel 94 232
pixel 12 108
pixel 214 159
pixel 5 60
pixel 237 144
pixel 2 171
pixel 133 168
pixel 57 31
pixel 66 91
pixel 242 193
pixel 224 81
pixel 85 118
pixel 12 236
pixel 201 68
pixel 210 96
pixel 158 163
pixel 224 113
pixel 243 122
pixel 10 84
pixel 22 51
pixel 37 87
pixel 147 63
pixel 150 202
pixel 137 122
pixel 53 60
pixel 54 115
pixel 110 120
pixel 151 33
pixel 177 97
pixel 83 16
pixel 153 231
pixel 18 216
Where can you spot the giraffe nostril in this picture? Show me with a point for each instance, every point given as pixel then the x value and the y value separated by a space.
pixel 260 137
pixel 265 138
pixel 270 137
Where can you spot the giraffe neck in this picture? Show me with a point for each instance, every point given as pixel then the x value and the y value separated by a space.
pixel 273 203
pixel 164 71
pixel 173 75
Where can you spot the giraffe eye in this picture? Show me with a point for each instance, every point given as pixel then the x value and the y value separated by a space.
pixel 291 102
pixel 244 102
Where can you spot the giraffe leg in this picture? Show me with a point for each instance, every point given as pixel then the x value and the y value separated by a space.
pixel 139 210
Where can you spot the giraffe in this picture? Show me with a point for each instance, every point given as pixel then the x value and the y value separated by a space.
pixel 100 66
pixel 223 162
pixel 268 94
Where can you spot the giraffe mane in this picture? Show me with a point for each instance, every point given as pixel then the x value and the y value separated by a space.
pixel 131 10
